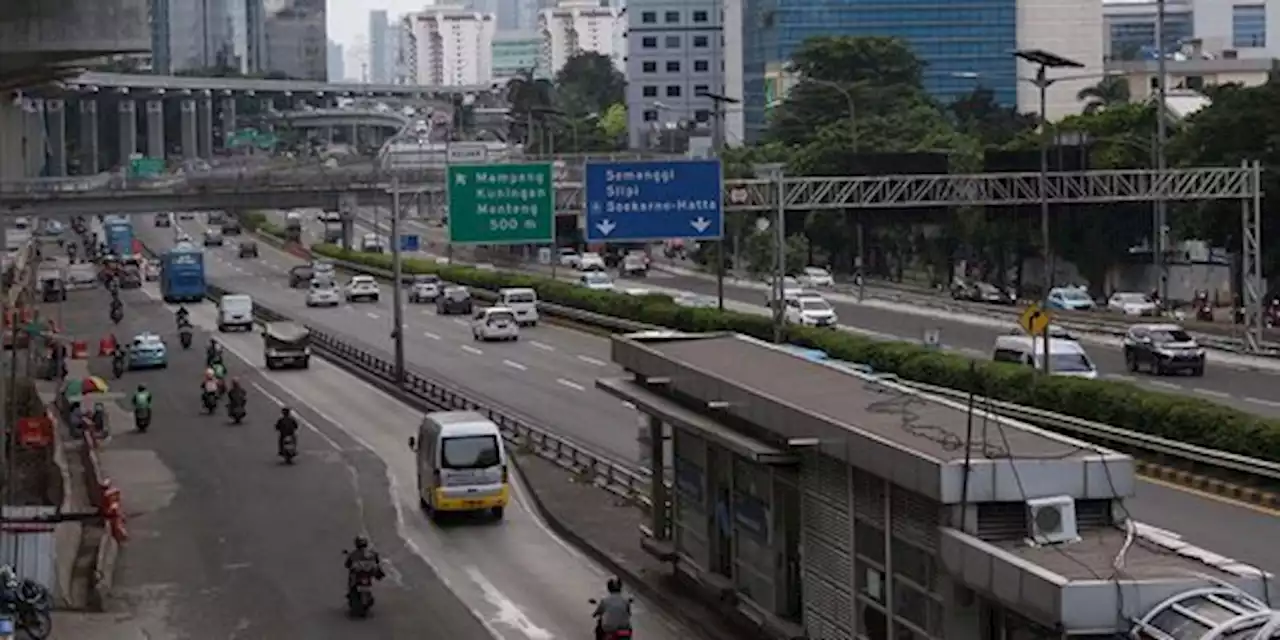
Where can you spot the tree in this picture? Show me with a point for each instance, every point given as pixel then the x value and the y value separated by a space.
pixel 529 98
pixel 760 253
pixel 979 115
pixel 614 122
pixel 1107 93
pixel 589 83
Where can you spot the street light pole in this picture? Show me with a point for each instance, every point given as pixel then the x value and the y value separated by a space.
pixel 1158 224
pixel 717 143
pixel 397 301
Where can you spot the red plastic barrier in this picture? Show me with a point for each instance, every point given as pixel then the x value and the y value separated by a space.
pixel 79 350
pixel 107 346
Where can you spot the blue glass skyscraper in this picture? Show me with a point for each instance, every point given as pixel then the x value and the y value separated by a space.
pixel 950 36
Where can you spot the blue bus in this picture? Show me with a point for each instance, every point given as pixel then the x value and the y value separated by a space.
pixel 182 274
pixel 119 232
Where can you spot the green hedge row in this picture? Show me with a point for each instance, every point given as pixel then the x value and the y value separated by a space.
pixel 256 221
pixel 1118 404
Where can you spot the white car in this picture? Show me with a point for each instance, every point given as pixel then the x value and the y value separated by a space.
pixel 330 216
pixel 810 311
pixel 590 262
pixel 151 271
pixel 363 288
pixel 495 323
pixel 790 289
pixel 424 290
pixel 371 243
pixel 596 281
pixel 1132 304
pixel 568 258
pixel 323 293
pixel 816 277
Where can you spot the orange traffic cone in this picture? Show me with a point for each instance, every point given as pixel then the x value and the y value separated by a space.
pixel 107 346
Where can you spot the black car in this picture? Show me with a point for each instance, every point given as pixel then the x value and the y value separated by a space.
pixel 300 276
pixel 163 220
pixel 53 290
pixel 248 249
pixel 1161 349
pixel 454 300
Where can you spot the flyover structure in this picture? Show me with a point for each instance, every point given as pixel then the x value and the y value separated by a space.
pixel 821 500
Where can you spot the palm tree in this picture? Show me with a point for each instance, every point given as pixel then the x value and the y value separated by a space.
pixel 1109 91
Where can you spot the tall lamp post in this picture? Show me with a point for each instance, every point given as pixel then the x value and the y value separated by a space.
pixel 773 172
pixel 1044 61
pixel 717 143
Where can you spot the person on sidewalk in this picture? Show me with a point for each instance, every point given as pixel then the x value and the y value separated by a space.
pixel 75 419
pixel 99 421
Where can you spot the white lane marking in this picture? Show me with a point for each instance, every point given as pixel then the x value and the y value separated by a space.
pixel 371 314
pixel 470 349
pixel 539 345
pixel 1212 393
pixel 507 613
pixel 1263 402
pixel 428 334
pixel 1163 385
pixel 1116 376
pixel 571 384
pixel 426 312
pixel 460 321
pixel 515 365
pixel 597 362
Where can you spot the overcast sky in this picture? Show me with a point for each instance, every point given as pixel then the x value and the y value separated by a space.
pixel 349 22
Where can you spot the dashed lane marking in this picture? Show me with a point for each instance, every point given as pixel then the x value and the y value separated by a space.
pixel 595 361
pixel 460 321
pixel 1212 393
pixel 1116 376
pixel 1264 402
pixel 428 334
pixel 515 365
pixel 539 345
pixel 571 384
pixel 1164 385
pixel 470 349
pixel 371 314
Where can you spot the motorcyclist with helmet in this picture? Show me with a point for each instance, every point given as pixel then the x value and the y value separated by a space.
pixel 613 612
pixel 184 317
pixel 362 560
pixel 286 426
pixel 141 407
pixel 236 397
pixel 212 353
pixel 209 387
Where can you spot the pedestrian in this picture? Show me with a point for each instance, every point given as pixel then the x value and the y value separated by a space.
pixel 75 419
pixel 100 422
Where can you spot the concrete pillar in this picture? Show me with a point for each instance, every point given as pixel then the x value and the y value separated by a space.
pixel 228 119
pixel 12 126
pixel 155 129
pixel 128 130
pixel 88 136
pixel 56 119
pixel 34 139
pixel 268 106
pixel 188 113
pixel 355 136
pixel 204 126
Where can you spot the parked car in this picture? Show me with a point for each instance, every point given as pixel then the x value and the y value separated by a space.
pixel 1161 349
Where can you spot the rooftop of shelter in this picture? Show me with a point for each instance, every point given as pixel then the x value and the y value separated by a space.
pixel 929 427
pixel 1093 557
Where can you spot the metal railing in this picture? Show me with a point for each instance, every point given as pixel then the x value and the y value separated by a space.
pixel 624 480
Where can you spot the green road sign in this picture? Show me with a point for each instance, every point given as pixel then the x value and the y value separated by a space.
pixel 501 204
pixel 146 167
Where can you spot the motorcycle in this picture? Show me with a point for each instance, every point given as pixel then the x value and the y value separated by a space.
pixel 289 448
pixel 184 336
pixel 1204 309
pixel 360 595
pixel 117 314
pixel 601 634
pixel 236 412
pixel 28 604
pixel 210 400
pixel 142 419
pixel 117 366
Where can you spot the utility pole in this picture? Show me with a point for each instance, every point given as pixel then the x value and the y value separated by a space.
pixel 397 300
pixel 717 144
pixel 1159 223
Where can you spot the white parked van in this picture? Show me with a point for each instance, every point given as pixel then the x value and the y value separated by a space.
pixel 462 464
pixel 235 312
pixel 1066 357
pixel 521 300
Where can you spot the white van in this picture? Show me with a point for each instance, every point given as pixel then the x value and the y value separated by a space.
pixel 462 464
pixel 523 301
pixel 235 311
pixel 1066 357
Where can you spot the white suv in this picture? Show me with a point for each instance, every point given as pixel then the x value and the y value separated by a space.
pixel 810 311
pixel 362 288
pixel 323 293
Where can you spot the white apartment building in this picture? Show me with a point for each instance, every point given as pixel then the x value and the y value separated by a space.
pixel 576 26
pixel 1231 29
pixel 450 46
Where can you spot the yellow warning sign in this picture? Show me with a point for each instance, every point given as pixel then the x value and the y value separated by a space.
pixel 1034 320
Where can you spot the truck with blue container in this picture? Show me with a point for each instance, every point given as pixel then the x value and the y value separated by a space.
pixel 119 232
pixel 182 274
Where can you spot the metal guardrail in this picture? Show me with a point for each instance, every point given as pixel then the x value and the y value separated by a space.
pixel 626 481
pixel 1090 431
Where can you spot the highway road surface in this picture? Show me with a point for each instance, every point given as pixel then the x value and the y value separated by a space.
pixel 548 376
pixel 516 577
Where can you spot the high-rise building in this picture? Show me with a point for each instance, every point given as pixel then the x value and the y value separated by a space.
pixel 674 51
pixel 451 46
pixel 287 37
pixel 192 34
pixel 516 53
pixel 336 64
pixel 380 51
pixel 577 26
pixel 1236 30
pixel 406 52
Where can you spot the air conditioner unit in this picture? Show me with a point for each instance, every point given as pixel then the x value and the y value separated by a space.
pixel 1052 520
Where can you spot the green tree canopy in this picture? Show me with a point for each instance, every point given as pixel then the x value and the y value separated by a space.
pixel 589 83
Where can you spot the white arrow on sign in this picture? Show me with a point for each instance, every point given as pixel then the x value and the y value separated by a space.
pixel 460 179
pixel 606 227
pixel 700 224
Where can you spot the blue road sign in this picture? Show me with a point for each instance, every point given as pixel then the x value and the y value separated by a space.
pixel 634 201
pixel 409 242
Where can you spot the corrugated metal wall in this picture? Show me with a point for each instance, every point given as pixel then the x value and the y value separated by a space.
pixel 30 549
pixel 690 511
pixel 827 551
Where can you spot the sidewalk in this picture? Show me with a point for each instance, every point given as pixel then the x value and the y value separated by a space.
pixel 607 529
